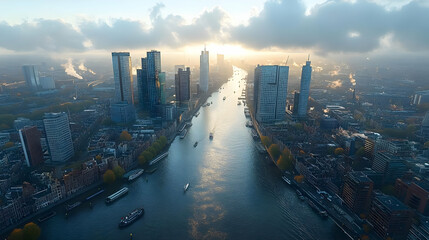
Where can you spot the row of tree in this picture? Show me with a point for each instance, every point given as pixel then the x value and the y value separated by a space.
pixel 110 176
pixel 30 231
pixel 153 150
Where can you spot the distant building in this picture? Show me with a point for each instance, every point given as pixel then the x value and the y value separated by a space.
pixel 162 98
pixel 122 113
pixel 392 167
pixel 421 97
pixel 31 74
pixel 425 126
pixel 21 123
pixel 270 92
pixel 295 103
pixel 31 146
pixel 220 60
pixel 47 82
pixel 204 71
pixel 58 136
pixel 395 147
pixel 414 194
pixel 304 92
pixel 123 77
pixel 390 217
pixel 357 192
pixel 176 67
pixel 183 84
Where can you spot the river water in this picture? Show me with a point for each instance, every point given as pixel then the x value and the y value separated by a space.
pixel 234 193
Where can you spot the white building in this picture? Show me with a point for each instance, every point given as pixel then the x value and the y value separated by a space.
pixel 270 92
pixel 304 91
pixel 122 75
pixel 204 71
pixel 58 135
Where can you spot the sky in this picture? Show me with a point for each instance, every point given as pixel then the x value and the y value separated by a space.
pixel 322 27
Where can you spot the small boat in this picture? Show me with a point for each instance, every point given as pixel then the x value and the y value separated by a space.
pixel 135 175
pixel 286 180
pixel 185 188
pixel 117 195
pixel 195 144
pixel 70 207
pixel 196 114
pixel 46 216
pixel 131 217
pixel 211 136
pixel 94 195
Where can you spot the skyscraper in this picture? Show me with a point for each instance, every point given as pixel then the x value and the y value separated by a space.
pixel 182 84
pixel 122 73
pixel 161 88
pixel 204 71
pixel 31 146
pixel 31 74
pixel 304 91
pixel 58 135
pixel 270 92
pixel 357 192
pixel 142 85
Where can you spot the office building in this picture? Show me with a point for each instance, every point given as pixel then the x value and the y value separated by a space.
pixel 161 89
pixel 122 112
pixel 204 71
pixel 183 84
pixel 31 146
pixel 31 74
pixel 414 194
pixel 304 92
pixel 392 167
pixel 176 67
pixel 270 92
pixel 58 136
pixel 425 126
pixel 421 97
pixel 47 82
pixel 123 78
pixel 357 192
pixel 390 217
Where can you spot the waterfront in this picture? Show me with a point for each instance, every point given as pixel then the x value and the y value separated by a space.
pixel 234 193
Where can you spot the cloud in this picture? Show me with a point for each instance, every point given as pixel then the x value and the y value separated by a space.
pixel 335 26
pixel 335 84
pixel 69 69
pixel 42 34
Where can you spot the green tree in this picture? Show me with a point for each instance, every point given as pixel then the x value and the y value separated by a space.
pixel 163 140
pixel 265 141
pixel 152 150
pixel 16 234
pixel 142 160
pixel 8 145
pixel 274 150
pixel 31 231
pixel 109 177
pixel 157 146
pixel 119 171
pixel 286 160
pixel 147 155
pixel 125 136
pixel 426 145
pixel 339 151
pixel 98 158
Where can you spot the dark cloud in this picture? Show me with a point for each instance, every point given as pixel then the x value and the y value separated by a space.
pixel 335 26
pixel 50 35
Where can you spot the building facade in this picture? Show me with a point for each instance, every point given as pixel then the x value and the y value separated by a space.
pixel 204 71
pixel 357 192
pixel 31 146
pixel 58 136
pixel 304 92
pixel 31 74
pixel 270 86
pixel 123 77
pixel 183 84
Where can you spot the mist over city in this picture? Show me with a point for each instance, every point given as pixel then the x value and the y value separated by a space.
pixel 214 119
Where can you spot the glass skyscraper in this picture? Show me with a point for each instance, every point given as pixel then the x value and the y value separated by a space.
pixel 122 74
pixel 304 91
pixel 204 71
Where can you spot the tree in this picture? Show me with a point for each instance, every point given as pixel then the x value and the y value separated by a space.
pixel 98 158
pixel 299 178
pixel 274 151
pixel 16 234
pixel 119 171
pixel 31 231
pixel 109 177
pixel 157 146
pixel 388 189
pixel 152 150
pixel 142 160
pixel 147 155
pixel 265 141
pixel 339 151
pixel 8 145
pixel 426 145
pixel 286 160
pixel 125 136
pixel 163 140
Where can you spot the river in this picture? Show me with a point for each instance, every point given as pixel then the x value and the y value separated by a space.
pixel 234 193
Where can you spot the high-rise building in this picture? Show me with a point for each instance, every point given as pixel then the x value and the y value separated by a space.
pixel 183 84
pixel 31 74
pixel 304 91
pixel 122 112
pixel 392 167
pixel 151 82
pixel 47 82
pixel 204 71
pixel 357 192
pixel 58 135
pixel 123 77
pixel 270 88
pixel 390 217
pixel 414 194
pixel 31 146
pixel 425 126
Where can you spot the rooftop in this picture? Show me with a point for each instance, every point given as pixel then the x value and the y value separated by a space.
pixel 359 177
pixel 391 203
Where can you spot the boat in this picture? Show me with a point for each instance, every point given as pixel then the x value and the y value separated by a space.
pixel 321 212
pixel 254 134
pixel 224 98
pixel 183 133
pixel 195 144
pixel 196 114
pixel 70 207
pixel 211 136
pixel 46 216
pixel 131 217
pixel 185 188
pixel 286 180
pixel 94 195
pixel 157 159
pixel 135 175
pixel 117 195
pixel 151 170
pixel 239 103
